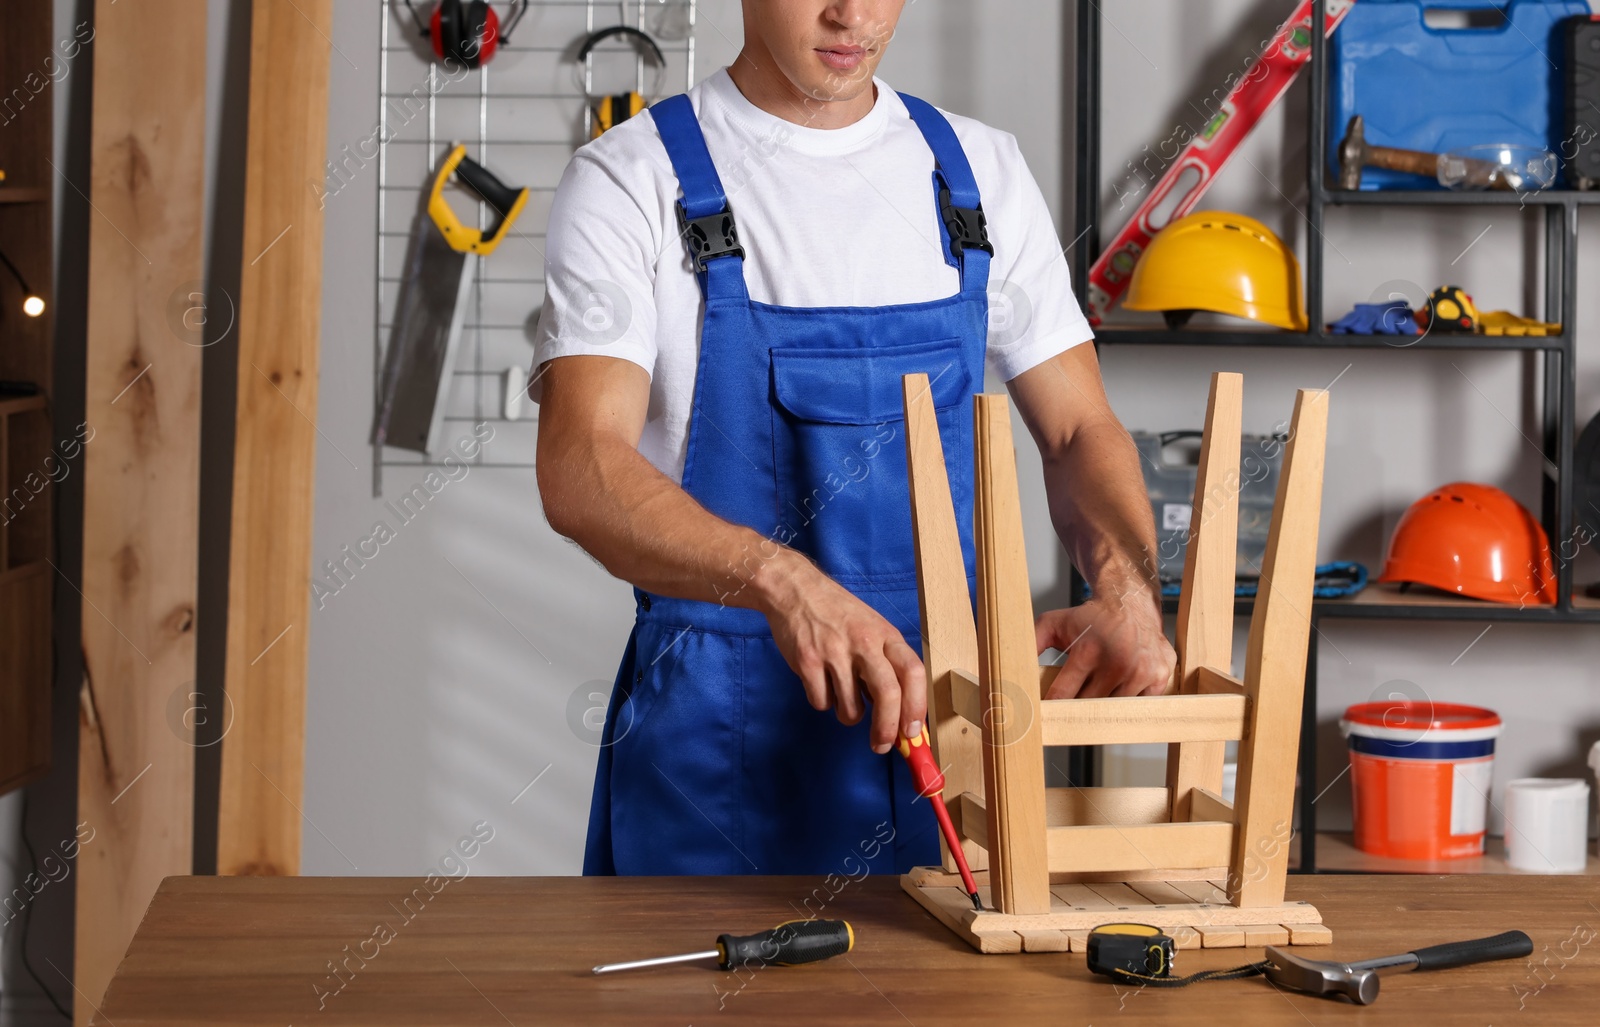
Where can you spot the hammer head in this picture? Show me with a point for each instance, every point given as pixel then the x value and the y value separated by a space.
pixel 1353 154
pixel 1321 977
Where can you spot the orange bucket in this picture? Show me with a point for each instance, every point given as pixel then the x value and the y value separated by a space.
pixel 1420 774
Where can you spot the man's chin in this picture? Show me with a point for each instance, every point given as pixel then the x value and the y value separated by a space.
pixel 835 87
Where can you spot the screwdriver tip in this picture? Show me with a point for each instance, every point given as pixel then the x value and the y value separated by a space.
pixel 977 903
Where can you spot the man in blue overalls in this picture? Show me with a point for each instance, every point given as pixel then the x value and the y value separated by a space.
pixel 736 282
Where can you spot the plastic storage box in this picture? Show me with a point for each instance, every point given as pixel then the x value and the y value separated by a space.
pixel 1495 79
pixel 1171 488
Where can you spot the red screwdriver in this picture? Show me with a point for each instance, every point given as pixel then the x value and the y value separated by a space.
pixel 929 781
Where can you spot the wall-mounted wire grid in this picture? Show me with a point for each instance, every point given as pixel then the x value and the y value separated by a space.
pixel 521 115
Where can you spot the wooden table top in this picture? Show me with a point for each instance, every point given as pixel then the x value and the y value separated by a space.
pixel 489 951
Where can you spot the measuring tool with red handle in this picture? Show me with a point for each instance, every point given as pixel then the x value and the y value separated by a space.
pixel 1190 174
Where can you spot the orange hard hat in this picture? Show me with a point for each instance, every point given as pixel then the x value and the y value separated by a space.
pixel 1473 540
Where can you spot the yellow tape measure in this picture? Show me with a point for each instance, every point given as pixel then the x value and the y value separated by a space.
pixel 1137 950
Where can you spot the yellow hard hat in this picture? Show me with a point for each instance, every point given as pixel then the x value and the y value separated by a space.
pixel 1227 263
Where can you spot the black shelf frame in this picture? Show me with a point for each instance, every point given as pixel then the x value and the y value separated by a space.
pixel 1560 209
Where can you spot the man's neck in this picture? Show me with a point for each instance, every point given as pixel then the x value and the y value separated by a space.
pixel 757 76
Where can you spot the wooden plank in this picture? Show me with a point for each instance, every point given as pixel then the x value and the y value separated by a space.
pixel 1145 846
pixel 1137 719
pixel 1275 664
pixel 1160 893
pixel 1121 897
pixel 949 632
pixel 1068 807
pixel 1214 682
pixel 141 474
pixel 1045 941
pixel 1184 937
pixel 1208 805
pixel 953 909
pixel 1257 935
pixel 1078 940
pixel 1008 663
pixel 1309 934
pixel 1205 601
pixel 967 702
pixel 1078 896
pixel 1066 918
pixel 275 440
pixel 1220 936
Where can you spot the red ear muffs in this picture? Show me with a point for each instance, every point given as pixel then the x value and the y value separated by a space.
pixel 468 32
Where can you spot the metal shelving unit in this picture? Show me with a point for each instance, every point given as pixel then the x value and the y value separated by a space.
pixel 1558 393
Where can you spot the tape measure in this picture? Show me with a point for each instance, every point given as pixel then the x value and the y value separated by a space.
pixel 1141 954
pixel 1130 950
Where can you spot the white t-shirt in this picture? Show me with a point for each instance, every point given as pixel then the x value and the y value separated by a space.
pixel 827 217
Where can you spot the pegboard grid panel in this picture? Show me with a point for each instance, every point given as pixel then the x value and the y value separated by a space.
pixel 522 115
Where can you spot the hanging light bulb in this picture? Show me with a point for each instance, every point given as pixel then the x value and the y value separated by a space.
pixel 32 303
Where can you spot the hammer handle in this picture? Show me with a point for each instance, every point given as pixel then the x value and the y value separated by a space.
pixel 1510 945
pixel 1415 161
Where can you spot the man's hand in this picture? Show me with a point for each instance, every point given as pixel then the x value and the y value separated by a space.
pixel 839 645
pixel 1113 647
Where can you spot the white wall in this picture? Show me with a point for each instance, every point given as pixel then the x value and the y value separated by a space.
pixel 454 669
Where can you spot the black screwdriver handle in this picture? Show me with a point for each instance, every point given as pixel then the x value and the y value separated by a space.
pixel 788 944
pixel 1510 945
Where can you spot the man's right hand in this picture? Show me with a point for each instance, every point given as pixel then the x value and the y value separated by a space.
pixel 839 645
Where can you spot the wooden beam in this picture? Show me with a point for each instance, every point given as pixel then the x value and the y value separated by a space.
pixel 1205 602
pixel 275 441
pixel 1214 682
pixel 1208 805
pixel 967 699
pixel 1135 719
pixel 1008 666
pixel 1071 807
pixel 1139 847
pixel 1275 664
pixel 949 634
pixel 141 474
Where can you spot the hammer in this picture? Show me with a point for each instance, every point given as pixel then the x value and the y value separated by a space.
pixel 1359 981
pixel 1355 153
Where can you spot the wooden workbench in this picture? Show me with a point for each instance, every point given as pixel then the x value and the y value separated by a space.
pixel 218 950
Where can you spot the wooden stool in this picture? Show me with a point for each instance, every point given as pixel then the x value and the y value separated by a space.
pixel 1057 862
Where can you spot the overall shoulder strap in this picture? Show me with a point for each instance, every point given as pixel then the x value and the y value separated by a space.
pixel 705 220
pixel 961 218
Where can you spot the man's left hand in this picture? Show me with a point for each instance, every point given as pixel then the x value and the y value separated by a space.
pixel 1113 647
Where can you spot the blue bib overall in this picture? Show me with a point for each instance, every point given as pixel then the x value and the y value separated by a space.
pixel 712 761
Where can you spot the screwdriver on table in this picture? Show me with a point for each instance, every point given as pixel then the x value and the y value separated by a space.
pixel 789 944
pixel 929 781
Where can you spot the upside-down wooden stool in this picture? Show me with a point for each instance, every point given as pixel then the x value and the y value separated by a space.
pixel 1058 862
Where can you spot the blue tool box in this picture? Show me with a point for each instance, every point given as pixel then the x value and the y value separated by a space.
pixel 1495 80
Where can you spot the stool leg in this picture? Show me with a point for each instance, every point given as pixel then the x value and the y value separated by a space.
pixel 1205 602
pixel 1008 666
pixel 1275 667
pixel 949 634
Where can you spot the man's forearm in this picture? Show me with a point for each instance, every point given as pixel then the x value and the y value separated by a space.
pixel 644 528
pixel 1101 510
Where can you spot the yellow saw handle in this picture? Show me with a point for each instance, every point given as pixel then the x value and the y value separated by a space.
pixel 506 201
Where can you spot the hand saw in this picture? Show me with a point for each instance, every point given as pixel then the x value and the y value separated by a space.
pixel 1197 164
pixel 432 304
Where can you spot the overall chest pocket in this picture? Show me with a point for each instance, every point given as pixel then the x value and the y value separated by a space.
pixel 839 453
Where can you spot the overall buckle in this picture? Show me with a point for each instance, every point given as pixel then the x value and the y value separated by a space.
pixel 966 226
pixel 715 235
